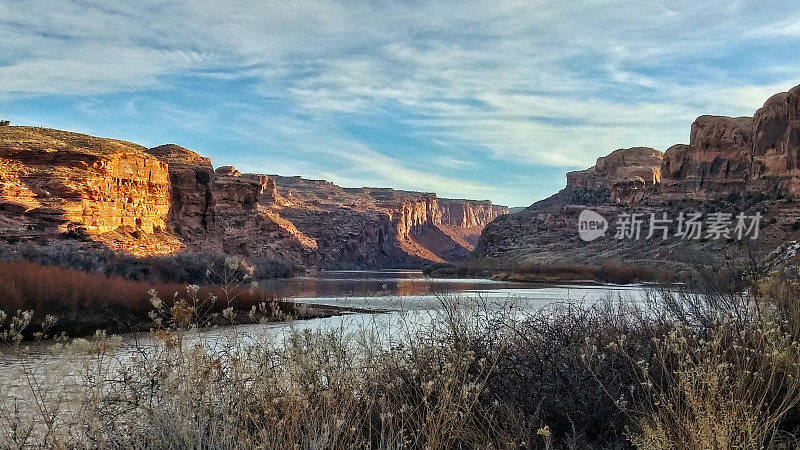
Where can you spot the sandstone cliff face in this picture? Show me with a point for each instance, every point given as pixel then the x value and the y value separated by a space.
pixel 191 195
pixel 625 173
pixel 375 227
pixel 742 163
pixel 53 182
pixel 218 210
pixel 730 155
pixel 168 198
pixel 468 213
pixel 716 162
pixel 249 229
pixel 776 149
pixel 725 155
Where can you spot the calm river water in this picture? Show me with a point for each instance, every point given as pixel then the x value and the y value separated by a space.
pixel 395 299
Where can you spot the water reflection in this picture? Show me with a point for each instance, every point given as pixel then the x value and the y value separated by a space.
pixel 391 297
pixel 378 283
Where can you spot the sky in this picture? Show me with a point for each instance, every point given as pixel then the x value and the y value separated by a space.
pixel 468 99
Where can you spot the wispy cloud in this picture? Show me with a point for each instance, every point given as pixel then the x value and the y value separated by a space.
pixel 476 87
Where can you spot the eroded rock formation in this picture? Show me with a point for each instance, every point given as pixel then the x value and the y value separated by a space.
pixel 191 191
pixel 742 163
pixel 378 227
pixel 716 161
pixel 54 182
pixel 725 155
pixel 168 198
pixel 776 148
pixel 625 173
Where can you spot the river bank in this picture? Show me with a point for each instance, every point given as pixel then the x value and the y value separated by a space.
pixel 554 273
pixel 515 366
pixel 75 303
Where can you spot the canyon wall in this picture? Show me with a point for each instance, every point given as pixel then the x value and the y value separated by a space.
pixel 734 164
pixel 725 155
pixel 625 173
pixel 56 183
pixel 469 213
pixel 731 155
pixel 380 227
pixel 60 185
pixel 191 194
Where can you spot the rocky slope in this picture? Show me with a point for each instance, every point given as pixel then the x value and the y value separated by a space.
pixel 56 184
pixel 743 164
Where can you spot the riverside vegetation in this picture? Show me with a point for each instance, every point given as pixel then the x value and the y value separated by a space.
pixel 711 366
pixel 85 301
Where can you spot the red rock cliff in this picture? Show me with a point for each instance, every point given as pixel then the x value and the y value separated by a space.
pixel 53 181
pixel 625 173
pixel 716 161
pixel 776 146
pixel 469 213
pixel 743 163
pixel 169 198
pixel 724 155
pixel 378 227
pixel 191 194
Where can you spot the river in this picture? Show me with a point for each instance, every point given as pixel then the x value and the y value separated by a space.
pixel 393 299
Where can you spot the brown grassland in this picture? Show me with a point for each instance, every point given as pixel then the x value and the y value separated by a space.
pixel 87 301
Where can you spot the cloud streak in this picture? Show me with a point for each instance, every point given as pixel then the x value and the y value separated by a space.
pixel 478 88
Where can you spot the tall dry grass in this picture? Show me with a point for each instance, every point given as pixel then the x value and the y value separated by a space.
pixel 87 301
pixel 333 388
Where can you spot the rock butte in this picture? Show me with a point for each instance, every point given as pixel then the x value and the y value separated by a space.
pixel 56 184
pixel 736 163
pixel 624 172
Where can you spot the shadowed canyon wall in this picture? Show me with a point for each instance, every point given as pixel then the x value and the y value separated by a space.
pixel 379 227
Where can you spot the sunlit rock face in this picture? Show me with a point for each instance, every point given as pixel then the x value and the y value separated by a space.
pixel 168 198
pixel 625 173
pixel 469 213
pixel 54 182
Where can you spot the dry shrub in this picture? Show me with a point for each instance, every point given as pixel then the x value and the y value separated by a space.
pixel 333 388
pixel 183 267
pixel 732 390
pixel 727 374
pixel 673 370
pixel 87 301
pixel 25 285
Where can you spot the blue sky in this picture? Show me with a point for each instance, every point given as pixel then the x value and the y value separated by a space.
pixel 473 99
